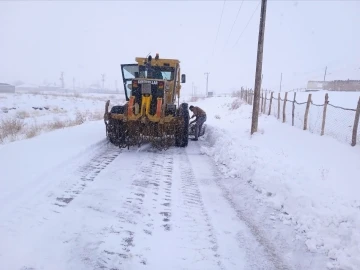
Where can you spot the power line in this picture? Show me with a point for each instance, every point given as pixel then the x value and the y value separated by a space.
pixel 237 15
pixel 247 23
pixel 222 12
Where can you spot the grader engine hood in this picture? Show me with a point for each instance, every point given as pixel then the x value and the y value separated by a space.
pixel 146 93
pixel 149 86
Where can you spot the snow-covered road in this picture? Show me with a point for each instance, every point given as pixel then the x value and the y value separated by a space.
pixel 70 200
pixel 108 208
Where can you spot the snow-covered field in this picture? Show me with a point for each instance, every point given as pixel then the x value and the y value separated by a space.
pixel 28 114
pixel 282 199
pixel 339 122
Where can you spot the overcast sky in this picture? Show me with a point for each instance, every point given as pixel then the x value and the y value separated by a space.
pixel 87 38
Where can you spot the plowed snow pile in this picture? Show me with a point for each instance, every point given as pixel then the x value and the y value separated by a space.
pixel 311 182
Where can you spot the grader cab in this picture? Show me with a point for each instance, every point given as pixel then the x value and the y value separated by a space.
pixel 152 89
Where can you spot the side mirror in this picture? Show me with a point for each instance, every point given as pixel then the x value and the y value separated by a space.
pixel 129 86
pixel 183 78
pixel 136 74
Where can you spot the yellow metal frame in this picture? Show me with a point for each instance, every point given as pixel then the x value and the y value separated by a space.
pixel 144 112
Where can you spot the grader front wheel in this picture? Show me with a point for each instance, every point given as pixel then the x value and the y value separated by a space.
pixel 182 133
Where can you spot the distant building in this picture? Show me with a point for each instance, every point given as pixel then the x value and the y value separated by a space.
pixel 49 88
pixel 7 88
pixel 315 85
pixel 338 85
pixel 27 87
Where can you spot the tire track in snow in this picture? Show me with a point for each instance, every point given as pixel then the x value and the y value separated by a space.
pixel 157 214
pixel 162 222
pixel 165 200
pixel 260 253
pixel 35 186
pixel 107 243
pixel 144 210
pixel 270 252
pixel 87 173
pixel 198 232
pixel 129 216
pixel 36 210
pixel 180 236
pixel 39 199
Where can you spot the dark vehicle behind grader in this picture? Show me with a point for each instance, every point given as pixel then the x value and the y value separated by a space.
pixel 150 114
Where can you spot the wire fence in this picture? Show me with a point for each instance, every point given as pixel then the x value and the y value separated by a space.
pixel 318 118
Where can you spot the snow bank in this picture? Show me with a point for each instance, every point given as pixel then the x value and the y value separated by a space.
pixel 33 174
pixel 25 162
pixel 311 182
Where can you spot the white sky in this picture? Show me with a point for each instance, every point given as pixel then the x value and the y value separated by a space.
pixel 87 38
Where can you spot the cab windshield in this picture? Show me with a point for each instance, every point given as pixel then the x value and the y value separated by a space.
pixel 155 72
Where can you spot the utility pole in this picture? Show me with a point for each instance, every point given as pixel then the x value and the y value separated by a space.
pixel 103 80
pixel 62 80
pixel 280 81
pixel 325 73
pixel 207 82
pixel 256 104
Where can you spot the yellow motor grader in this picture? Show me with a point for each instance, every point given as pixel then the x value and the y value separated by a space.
pixel 150 113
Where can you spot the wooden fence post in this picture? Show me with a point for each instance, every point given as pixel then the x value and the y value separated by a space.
pixel 265 102
pixel 262 102
pixel 356 124
pixel 271 98
pixel 279 103
pixel 307 111
pixel 293 109
pixel 284 107
pixel 324 114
